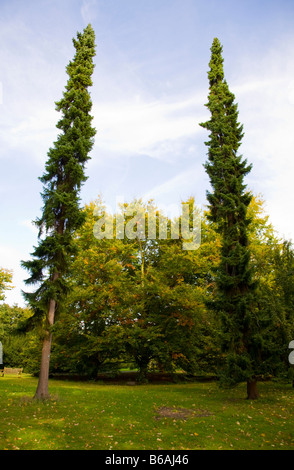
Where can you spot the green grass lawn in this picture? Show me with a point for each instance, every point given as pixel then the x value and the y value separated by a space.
pixel 88 415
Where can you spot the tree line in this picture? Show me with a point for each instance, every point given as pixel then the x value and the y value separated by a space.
pixel 148 304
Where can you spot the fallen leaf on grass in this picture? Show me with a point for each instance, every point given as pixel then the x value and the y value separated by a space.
pixel 180 413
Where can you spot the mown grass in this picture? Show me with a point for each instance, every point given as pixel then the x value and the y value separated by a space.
pixel 88 415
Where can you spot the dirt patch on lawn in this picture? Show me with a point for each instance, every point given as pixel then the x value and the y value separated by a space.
pixel 180 413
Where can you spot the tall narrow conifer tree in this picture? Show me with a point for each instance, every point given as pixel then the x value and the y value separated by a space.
pixel 228 204
pixel 62 181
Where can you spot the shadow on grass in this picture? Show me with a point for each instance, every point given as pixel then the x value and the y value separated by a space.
pixel 132 378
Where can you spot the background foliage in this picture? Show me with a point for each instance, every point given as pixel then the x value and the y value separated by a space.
pixel 143 303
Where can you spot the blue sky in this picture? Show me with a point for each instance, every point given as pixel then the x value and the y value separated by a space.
pixel 150 87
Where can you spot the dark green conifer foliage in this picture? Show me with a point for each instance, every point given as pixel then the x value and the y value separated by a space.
pixel 228 203
pixel 62 181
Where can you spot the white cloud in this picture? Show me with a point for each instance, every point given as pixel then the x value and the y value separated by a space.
pixel 265 94
pixel 33 133
pixel 89 10
pixel 185 180
pixel 140 127
pixel 32 78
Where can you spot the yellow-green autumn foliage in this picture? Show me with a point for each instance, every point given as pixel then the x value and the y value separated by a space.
pixel 147 302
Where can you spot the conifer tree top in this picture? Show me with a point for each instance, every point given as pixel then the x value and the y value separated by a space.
pixel 63 177
pixel 216 72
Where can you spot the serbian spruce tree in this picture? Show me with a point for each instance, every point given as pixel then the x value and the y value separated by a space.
pixel 62 180
pixel 228 204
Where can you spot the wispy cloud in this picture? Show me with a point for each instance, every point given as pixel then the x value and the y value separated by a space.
pixel 187 180
pixel 89 10
pixel 265 93
pixel 147 127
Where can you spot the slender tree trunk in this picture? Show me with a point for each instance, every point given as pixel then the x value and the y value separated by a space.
pixel 42 392
pixel 252 391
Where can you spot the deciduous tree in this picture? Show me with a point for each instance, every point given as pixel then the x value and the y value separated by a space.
pixel 5 282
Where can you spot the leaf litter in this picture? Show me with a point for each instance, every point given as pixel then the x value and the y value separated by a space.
pixel 180 413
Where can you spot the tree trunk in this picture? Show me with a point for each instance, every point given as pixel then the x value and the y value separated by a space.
pixel 142 375
pixel 143 371
pixel 42 392
pixel 252 392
